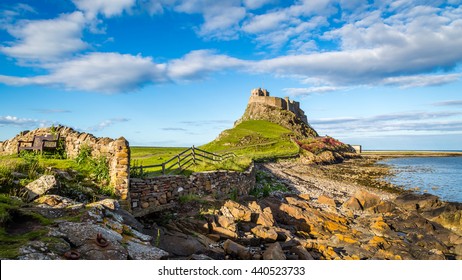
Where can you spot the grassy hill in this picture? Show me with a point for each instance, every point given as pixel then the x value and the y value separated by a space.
pixel 255 139
pixel 250 140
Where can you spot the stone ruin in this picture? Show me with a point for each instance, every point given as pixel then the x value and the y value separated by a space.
pixel 117 152
pixel 262 96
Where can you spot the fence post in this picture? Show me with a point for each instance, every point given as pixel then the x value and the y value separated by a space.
pixel 194 154
pixel 163 168
pixel 141 170
pixel 179 163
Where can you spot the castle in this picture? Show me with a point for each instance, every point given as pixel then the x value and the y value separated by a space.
pixel 262 96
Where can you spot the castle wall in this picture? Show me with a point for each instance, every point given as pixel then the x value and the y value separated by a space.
pixel 284 104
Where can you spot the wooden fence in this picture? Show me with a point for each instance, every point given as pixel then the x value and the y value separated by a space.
pixel 184 160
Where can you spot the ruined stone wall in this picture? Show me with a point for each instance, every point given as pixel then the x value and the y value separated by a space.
pixel 116 151
pixel 155 194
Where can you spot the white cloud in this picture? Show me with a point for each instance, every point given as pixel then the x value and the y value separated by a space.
pixel 221 25
pixel 292 24
pixel 197 64
pixel 255 4
pixel 21 122
pixel 391 124
pixel 106 123
pixel 421 80
pixel 449 103
pixel 310 90
pixel 403 49
pixel 100 72
pixel 46 39
pixel 265 22
pixel 221 18
pixel 107 8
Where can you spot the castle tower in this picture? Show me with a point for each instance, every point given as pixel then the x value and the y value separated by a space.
pixel 259 92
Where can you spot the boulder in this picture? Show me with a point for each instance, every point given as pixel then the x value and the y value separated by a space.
pixel 352 204
pixel 367 199
pixel 79 233
pixel 37 250
pixel 301 252
pixel 236 250
pixel 326 201
pixel 214 237
pixel 238 211
pixel 449 216
pixel 41 186
pixel 458 250
pixel 298 202
pixel 91 251
pixel 266 218
pixel 109 203
pixel 379 227
pixel 266 233
pixel 54 201
pixel 138 251
pixel 254 207
pixel 274 252
pixel 383 207
pixel 180 244
pixel 414 201
pixel 224 232
pixel 227 222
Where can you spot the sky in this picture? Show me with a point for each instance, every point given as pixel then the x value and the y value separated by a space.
pixel 383 74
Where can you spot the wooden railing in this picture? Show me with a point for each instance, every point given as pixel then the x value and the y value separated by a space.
pixel 184 160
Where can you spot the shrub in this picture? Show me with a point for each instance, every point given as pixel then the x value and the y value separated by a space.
pixel 84 154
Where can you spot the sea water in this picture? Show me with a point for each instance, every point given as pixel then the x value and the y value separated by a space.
pixel 441 176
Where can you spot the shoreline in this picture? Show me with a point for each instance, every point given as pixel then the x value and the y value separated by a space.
pixel 397 153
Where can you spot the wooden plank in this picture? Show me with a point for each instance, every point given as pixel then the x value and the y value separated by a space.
pixel 184 151
pixel 210 153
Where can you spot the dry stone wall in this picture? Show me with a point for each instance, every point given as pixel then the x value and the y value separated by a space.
pixel 116 151
pixel 156 194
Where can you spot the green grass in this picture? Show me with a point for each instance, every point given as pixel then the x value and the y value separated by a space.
pixel 154 155
pixel 34 165
pixel 11 211
pixel 255 139
pixel 250 140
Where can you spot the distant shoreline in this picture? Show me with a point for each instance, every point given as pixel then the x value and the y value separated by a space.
pixel 410 153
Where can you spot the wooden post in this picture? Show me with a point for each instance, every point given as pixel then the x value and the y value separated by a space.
pixel 194 155
pixel 141 170
pixel 179 163
pixel 163 168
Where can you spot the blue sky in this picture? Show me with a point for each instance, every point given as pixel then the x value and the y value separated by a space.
pixel 384 74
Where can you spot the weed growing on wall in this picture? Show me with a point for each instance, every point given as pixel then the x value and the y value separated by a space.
pixel 98 167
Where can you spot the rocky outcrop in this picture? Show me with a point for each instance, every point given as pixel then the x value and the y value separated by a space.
pixel 362 225
pixel 104 232
pixel 287 119
pixel 42 185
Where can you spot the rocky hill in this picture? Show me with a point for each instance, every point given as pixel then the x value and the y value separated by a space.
pixel 284 112
pixel 288 114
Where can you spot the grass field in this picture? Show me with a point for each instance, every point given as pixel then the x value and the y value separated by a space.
pixel 153 155
pixel 250 140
